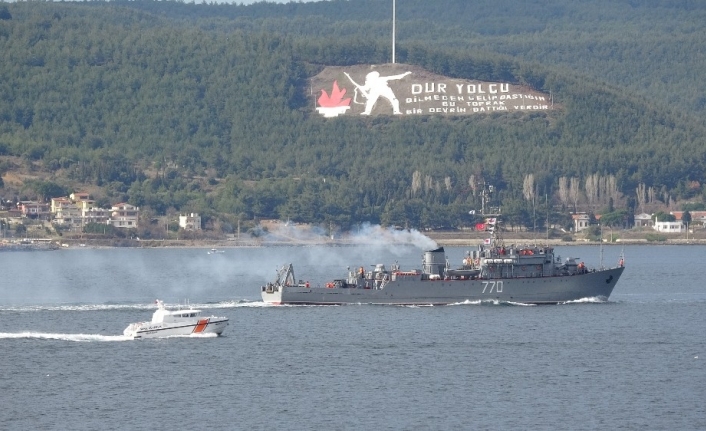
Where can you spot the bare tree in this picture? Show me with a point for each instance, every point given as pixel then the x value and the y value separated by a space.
pixel 428 183
pixel 473 183
pixel 651 193
pixel 641 196
pixel 416 182
pixel 602 195
pixel 591 188
pixel 528 187
pixel 612 188
pixel 574 192
pixel 564 190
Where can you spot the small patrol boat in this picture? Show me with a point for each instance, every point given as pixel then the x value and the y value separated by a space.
pixel 183 321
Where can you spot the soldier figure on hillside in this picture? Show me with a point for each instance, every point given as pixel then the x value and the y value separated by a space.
pixel 376 86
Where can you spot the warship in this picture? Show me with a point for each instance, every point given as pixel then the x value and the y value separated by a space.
pixel 530 274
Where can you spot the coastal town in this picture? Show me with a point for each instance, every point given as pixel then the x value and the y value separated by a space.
pixel 76 221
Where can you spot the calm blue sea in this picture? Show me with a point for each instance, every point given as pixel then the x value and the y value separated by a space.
pixel 635 362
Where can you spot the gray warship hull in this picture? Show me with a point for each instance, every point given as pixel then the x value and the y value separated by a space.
pixel 419 289
pixel 528 274
pixel 545 290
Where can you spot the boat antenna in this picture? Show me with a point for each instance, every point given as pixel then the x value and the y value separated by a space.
pixel 602 247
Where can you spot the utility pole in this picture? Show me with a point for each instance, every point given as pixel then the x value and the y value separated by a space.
pixel 393 30
pixel 687 232
pixel 546 202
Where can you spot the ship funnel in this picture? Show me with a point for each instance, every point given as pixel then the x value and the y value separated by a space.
pixel 435 261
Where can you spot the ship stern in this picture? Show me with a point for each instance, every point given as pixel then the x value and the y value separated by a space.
pixel 272 294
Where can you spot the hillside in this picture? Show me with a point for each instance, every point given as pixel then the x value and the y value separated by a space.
pixel 185 108
pixel 650 47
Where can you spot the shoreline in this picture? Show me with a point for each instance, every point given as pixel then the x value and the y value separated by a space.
pixel 444 240
pixel 379 236
pixel 559 242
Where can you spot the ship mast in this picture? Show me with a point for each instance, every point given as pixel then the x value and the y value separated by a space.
pixel 492 215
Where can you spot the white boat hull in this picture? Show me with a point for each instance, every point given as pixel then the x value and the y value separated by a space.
pixel 206 325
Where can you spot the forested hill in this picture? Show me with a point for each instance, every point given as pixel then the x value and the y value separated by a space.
pixel 205 108
pixel 652 47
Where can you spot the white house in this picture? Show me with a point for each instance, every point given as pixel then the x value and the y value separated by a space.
pixel 124 216
pixel 581 221
pixel 643 220
pixel 669 226
pixel 95 215
pixel 190 221
pixel 66 213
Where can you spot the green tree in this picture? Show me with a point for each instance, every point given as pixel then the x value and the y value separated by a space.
pixel 615 218
pixel 662 216
pixel 686 217
pixel 5 13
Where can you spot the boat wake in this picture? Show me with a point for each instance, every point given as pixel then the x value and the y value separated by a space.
pixel 63 337
pixel 466 302
pixel 243 303
pixel 114 307
pixel 591 300
pixel 86 337
pixel 492 302
pixel 207 335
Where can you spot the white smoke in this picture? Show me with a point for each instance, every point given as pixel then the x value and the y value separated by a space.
pixel 365 234
pixel 378 235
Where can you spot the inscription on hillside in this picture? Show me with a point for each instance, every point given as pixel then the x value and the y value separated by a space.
pixel 398 89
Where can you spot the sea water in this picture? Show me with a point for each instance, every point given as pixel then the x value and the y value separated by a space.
pixel 636 361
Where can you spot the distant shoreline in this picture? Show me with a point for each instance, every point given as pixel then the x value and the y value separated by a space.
pixel 442 241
